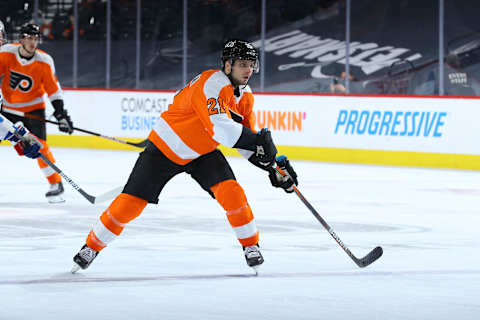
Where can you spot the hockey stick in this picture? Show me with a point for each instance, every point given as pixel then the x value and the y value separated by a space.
pixel 92 199
pixel 141 144
pixel 371 257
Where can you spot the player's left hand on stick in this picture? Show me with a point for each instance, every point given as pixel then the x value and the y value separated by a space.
pixel 286 181
pixel 65 124
pixel 25 143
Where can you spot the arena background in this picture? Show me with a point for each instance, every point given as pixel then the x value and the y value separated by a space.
pixel 413 64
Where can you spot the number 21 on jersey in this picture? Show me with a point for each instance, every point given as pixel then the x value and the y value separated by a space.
pixel 216 106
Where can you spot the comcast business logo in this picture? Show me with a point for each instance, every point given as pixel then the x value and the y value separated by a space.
pixel 20 81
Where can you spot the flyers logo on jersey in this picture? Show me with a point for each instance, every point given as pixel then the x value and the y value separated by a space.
pixel 20 81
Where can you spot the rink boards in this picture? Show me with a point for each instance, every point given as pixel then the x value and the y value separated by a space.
pixel 387 130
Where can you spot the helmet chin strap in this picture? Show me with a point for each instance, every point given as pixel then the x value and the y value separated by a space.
pixel 236 90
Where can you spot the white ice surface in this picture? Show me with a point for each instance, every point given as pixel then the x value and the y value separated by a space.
pixel 180 259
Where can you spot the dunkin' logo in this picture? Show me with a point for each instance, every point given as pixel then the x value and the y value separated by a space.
pixel 280 120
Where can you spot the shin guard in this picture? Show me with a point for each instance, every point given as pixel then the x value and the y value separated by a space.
pixel 49 173
pixel 231 197
pixel 112 221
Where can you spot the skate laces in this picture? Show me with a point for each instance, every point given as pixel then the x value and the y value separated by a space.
pixel 252 252
pixel 87 254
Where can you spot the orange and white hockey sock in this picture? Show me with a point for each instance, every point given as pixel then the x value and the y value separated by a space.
pixel 49 173
pixel 112 221
pixel 232 198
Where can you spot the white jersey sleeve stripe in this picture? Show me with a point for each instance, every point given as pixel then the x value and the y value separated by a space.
pixel 215 84
pixel 173 141
pixel 23 104
pixel 226 131
pixel 46 58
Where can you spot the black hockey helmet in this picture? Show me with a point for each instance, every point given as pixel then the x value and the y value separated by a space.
pixel 30 29
pixel 3 34
pixel 240 50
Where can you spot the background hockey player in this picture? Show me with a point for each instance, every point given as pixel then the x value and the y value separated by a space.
pixel 29 73
pixel 214 108
pixel 27 145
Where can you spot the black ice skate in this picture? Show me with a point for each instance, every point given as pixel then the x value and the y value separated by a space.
pixel 55 194
pixel 253 256
pixel 83 258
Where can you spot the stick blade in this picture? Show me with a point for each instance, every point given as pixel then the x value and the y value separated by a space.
pixel 108 195
pixel 370 258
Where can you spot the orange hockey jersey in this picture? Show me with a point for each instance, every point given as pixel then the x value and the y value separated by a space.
pixel 200 118
pixel 25 81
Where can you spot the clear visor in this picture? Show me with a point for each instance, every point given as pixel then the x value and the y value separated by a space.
pixel 256 66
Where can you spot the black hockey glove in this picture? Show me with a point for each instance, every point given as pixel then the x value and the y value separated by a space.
pixel 65 124
pixel 287 181
pixel 264 155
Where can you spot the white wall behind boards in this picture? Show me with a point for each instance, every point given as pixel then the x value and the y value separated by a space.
pixel 438 125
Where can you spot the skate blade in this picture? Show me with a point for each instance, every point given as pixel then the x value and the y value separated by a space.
pixel 55 199
pixel 75 268
pixel 255 269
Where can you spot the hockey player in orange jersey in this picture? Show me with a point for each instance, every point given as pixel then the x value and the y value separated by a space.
pixel 214 108
pixel 23 141
pixel 28 74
